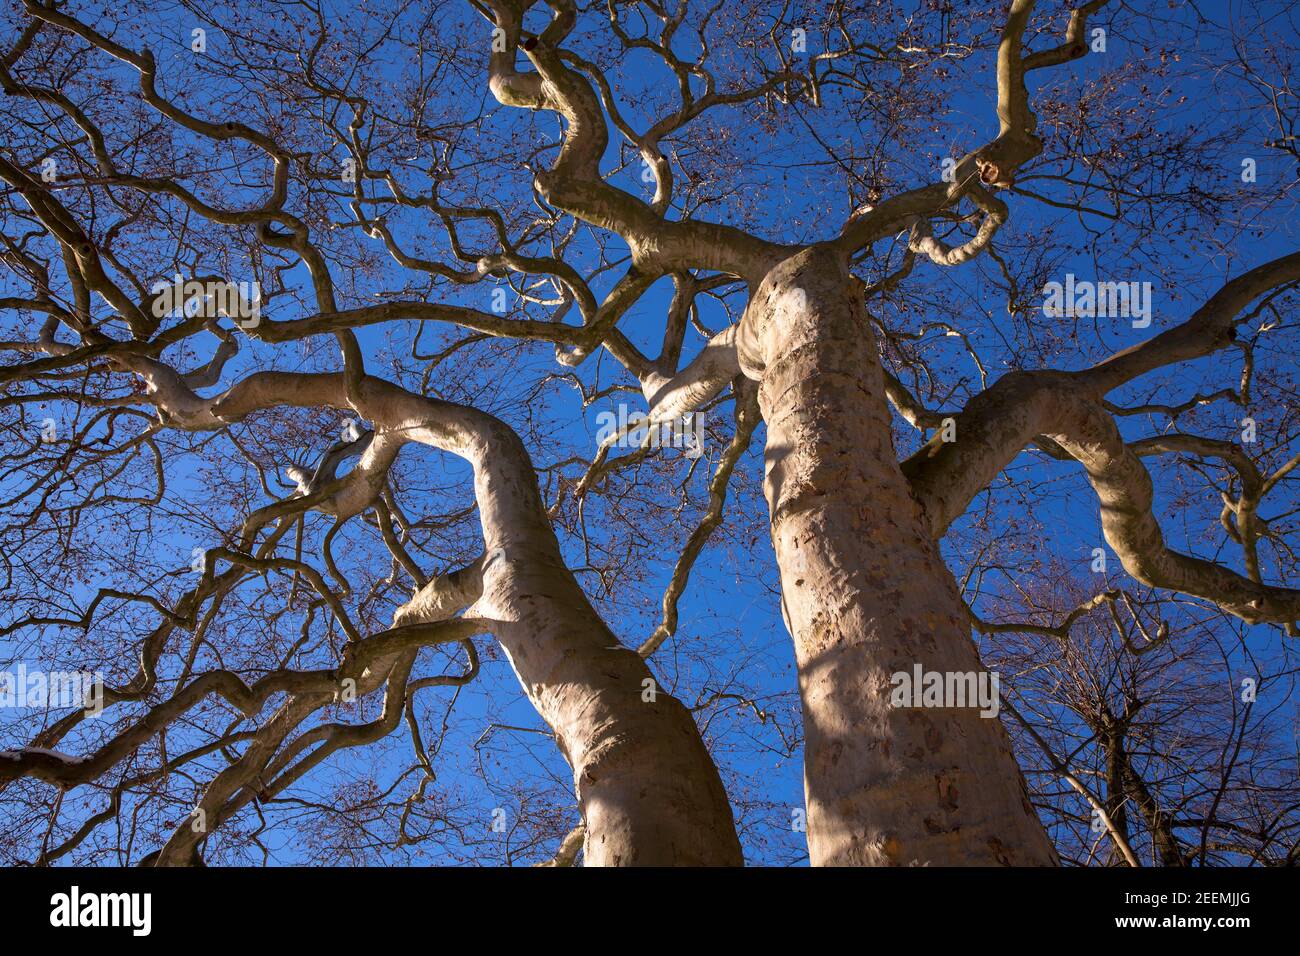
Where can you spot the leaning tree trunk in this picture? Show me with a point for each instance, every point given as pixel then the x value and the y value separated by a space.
pixel 648 791
pixel 866 595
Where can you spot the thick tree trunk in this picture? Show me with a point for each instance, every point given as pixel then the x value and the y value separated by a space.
pixel 866 595
pixel 648 790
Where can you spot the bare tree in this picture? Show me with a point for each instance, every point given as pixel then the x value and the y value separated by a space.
pixel 1155 735
pixel 240 229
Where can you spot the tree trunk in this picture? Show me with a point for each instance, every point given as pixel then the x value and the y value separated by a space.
pixel 648 790
pixel 866 595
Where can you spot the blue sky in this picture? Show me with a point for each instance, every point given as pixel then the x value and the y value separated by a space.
pixel 731 632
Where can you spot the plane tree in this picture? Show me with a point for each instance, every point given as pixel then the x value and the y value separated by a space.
pixel 228 231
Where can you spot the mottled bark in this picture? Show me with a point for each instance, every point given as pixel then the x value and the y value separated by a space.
pixel 647 789
pixel 646 786
pixel 866 595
